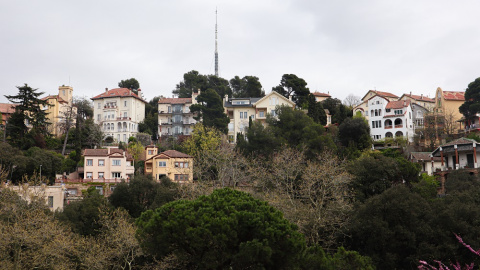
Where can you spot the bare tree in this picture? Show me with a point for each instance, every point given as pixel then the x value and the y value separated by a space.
pixel 67 121
pixel 351 100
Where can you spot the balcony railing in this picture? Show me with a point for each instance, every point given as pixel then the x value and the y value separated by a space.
pixel 164 112
pixel 124 118
pixel 110 106
pixel 388 127
pixel 399 126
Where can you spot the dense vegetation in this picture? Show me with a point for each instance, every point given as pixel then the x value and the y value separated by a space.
pixel 292 194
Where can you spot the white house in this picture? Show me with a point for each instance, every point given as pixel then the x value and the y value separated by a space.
pixel 118 112
pixel 390 119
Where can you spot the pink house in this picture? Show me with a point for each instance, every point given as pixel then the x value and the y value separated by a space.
pixel 107 165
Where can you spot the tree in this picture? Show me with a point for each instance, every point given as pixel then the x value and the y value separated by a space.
pixel 69 116
pixel 355 132
pixel 210 111
pixel 339 111
pixel 131 84
pixel 316 111
pixel 92 134
pixel 150 123
pixel 248 86
pixel 296 129
pixel 28 109
pixel 351 101
pixel 227 229
pixel 192 82
pixel 143 193
pixel 471 106
pixel 258 141
pixel 82 216
pixel 291 85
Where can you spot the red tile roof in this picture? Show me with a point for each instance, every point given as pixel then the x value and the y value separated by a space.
pixel 7 108
pixel 318 94
pixel 175 100
pixel 175 154
pixel 453 95
pixel 95 152
pixel 398 104
pixel 422 98
pixel 380 93
pixel 118 92
pixel 459 141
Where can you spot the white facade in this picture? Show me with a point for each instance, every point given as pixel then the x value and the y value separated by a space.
pixel 175 117
pixel 118 112
pixel 390 119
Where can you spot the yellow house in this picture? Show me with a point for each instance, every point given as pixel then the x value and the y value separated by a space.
pixel 425 102
pixel 58 109
pixel 240 110
pixel 173 164
pixel 319 97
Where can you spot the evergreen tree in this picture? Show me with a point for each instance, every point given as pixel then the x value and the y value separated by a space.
pixel 316 111
pixel 210 110
pixel 291 85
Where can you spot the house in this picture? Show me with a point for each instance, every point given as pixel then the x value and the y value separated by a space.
pixel 425 161
pixel 390 119
pixel 240 110
pixel 59 107
pixel 319 97
pixel 425 102
pixel 455 155
pixel 173 164
pixel 107 165
pixel 118 112
pixel 362 108
pixel 174 116
pixel 54 196
pixel 6 109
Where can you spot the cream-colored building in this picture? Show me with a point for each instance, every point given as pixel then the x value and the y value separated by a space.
pixel 319 97
pixel 173 164
pixel 107 165
pixel 174 116
pixel 59 108
pixel 240 110
pixel 118 112
pixel 54 196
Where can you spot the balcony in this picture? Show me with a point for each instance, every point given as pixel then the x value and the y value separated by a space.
pixel 110 106
pixel 166 123
pixel 388 127
pixel 164 112
pixel 124 118
pixel 399 126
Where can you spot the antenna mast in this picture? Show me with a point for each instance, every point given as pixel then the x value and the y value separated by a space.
pixel 216 46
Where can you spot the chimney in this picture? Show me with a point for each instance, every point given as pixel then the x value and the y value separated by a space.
pixel 404 103
pixel 410 93
pixel 106 89
pixel 421 96
pixel 290 97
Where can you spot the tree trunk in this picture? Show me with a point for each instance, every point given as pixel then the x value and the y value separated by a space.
pixel 65 142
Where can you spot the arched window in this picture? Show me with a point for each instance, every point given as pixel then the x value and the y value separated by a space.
pixel 380 112
pixel 388 123
pixel 398 134
pixel 398 123
pixel 388 135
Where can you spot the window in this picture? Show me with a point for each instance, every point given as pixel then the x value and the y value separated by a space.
pixel 241 115
pixel 116 175
pixel 101 162
pixel 125 103
pixel 72 191
pixel 181 177
pixel 387 110
pixel 162 164
pixel 89 175
pixel 125 114
pixel 245 115
pixel 100 189
pixel 169 109
pixel 101 175
pixel 398 111
pixel 99 105
pixel 99 117
pixel 273 113
pixel 181 164
pixel 89 162
pixel 116 162
pixel 50 201
pixel 261 114
pixel 125 137
pixel 150 152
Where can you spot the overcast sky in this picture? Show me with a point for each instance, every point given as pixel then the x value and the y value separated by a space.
pixel 342 47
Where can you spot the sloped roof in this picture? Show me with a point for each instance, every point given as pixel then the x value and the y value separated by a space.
pixel 417 97
pixel 318 94
pixel 415 156
pixel 398 104
pixel 462 144
pixel 381 93
pixel 252 100
pixel 95 152
pixel 174 100
pixel 453 95
pixel 175 154
pixel 118 92
pixel 462 140
pixel 275 93
pixel 61 100
pixel 7 108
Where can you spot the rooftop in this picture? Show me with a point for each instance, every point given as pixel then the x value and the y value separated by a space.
pixel 118 92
